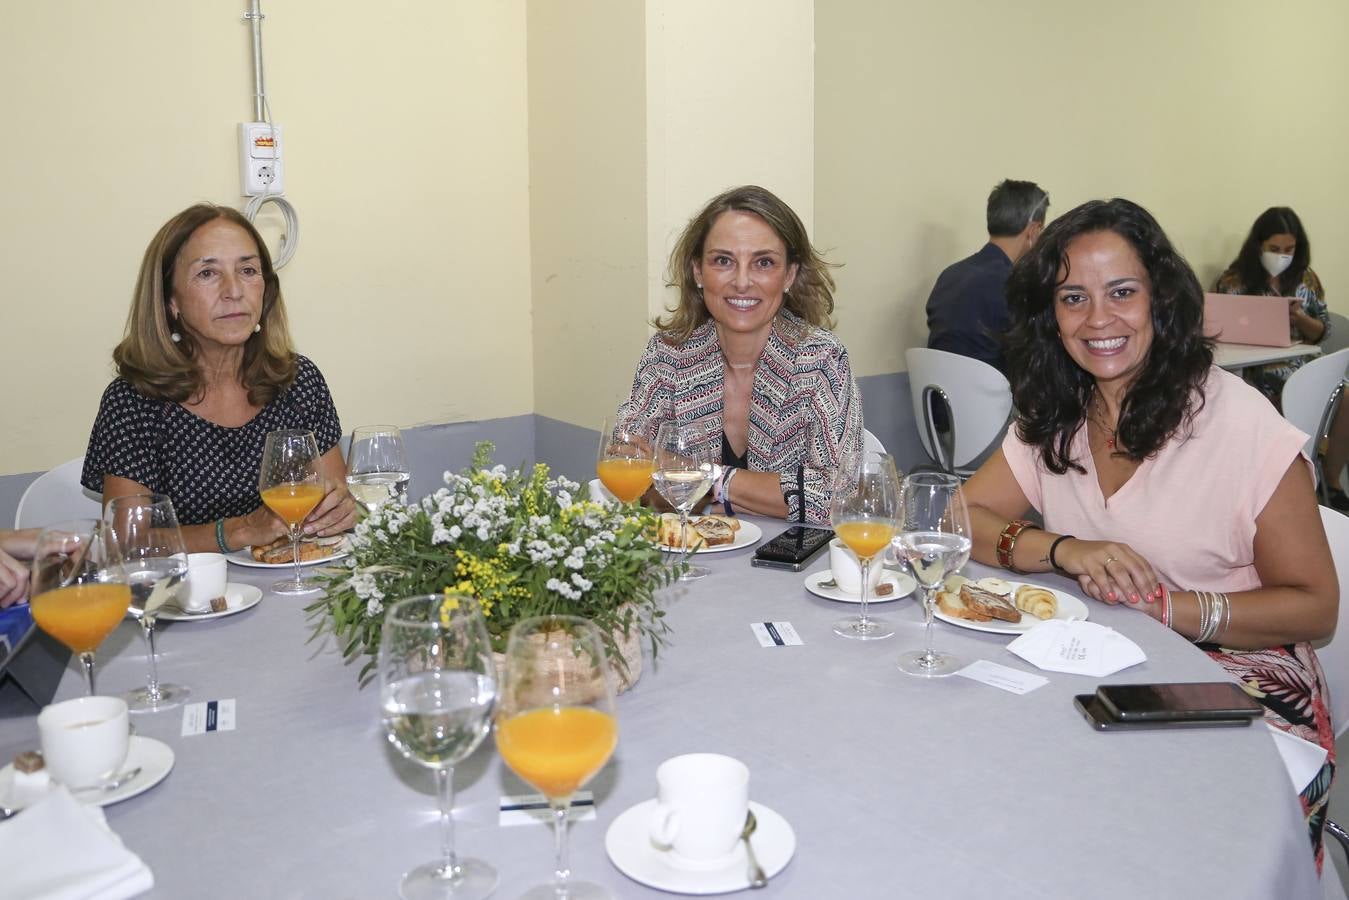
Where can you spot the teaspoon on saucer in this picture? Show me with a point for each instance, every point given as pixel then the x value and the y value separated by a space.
pixel 757 878
pixel 110 785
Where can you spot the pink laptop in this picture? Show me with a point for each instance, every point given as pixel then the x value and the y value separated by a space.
pixel 1243 319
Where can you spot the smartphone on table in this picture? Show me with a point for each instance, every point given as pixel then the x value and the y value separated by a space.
pixel 1178 701
pixel 793 549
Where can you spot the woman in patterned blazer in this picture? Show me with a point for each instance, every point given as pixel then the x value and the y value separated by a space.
pixel 747 352
pixel 205 370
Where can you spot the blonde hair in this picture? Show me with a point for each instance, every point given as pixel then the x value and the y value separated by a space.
pixel 811 296
pixel 160 368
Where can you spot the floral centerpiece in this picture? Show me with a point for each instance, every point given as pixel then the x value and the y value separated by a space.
pixel 524 544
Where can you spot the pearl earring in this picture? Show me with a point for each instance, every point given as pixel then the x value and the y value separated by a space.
pixel 176 337
pixel 257 328
pixel 700 285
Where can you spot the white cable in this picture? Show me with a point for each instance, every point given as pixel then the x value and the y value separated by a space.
pixel 290 238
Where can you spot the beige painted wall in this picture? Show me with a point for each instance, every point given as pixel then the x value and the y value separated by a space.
pixel 1206 112
pixel 407 160
pixel 587 172
pixel 730 100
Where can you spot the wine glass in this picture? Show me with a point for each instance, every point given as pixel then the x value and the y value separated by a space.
pixel 289 484
pixel 556 724
pixel 377 466
pixel 155 560
pixel 437 690
pixel 681 477
pixel 79 589
pixel 626 461
pixel 935 541
pixel 865 516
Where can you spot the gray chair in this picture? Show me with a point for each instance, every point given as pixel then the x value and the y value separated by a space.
pixel 978 398
pixel 1334 653
pixel 1310 398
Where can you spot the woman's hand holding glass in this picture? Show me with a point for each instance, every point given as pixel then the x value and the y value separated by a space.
pixel 79 588
pixel 556 724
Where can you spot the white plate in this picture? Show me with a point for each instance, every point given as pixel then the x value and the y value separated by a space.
pixel 238 597
pixel 632 853
pixel 154 758
pixel 904 586
pixel 1069 608
pixel 748 534
pixel 244 557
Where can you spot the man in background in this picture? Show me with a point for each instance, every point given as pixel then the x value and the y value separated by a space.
pixel 967 309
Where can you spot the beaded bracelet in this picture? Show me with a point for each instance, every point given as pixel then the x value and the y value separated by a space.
pixel 220 535
pixel 1007 542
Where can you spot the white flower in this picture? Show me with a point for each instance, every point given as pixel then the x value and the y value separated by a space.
pixel 373 607
pixel 581 582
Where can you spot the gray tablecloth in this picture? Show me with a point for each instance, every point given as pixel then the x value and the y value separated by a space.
pixel 895 786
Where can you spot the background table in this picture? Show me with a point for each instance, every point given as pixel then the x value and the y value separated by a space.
pixel 1239 356
pixel 895 786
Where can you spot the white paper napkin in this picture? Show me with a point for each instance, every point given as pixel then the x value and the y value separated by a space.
pixel 1301 758
pixel 59 849
pixel 1079 648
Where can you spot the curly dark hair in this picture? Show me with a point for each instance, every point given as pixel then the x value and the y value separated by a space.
pixel 1051 392
pixel 1251 274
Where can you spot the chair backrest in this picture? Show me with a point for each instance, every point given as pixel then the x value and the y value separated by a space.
pixel 57 495
pixel 979 396
pixel 1338 339
pixel 1334 654
pixel 1307 394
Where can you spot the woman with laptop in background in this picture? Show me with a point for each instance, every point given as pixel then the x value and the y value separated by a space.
pixel 1275 261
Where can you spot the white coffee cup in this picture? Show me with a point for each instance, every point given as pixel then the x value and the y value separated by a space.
pixel 85 740
pixel 205 580
pixel 848 574
pixel 701 803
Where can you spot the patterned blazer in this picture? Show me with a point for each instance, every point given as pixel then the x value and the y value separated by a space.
pixel 805 410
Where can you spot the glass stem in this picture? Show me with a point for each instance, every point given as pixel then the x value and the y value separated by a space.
pixel 445 783
pixel 928 594
pixel 152 685
pixel 561 873
pixel 87 658
pixel 295 551
pixel 864 624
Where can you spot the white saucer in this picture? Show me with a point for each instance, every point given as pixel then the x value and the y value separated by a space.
pixel 154 758
pixel 904 586
pixel 238 597
pixel 632 853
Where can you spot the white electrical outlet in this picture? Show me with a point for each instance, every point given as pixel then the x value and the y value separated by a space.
pixel 260 159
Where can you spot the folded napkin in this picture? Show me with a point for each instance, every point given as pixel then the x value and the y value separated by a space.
pixel 1301 757
pixel 59 849
pixel 1079 648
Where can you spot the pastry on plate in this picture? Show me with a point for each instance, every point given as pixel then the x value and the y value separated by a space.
pixel 278 552
pixel 1039 602
pixel 710 531
pixel 987 603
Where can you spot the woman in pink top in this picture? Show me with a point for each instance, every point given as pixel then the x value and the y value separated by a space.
pixel 1164 482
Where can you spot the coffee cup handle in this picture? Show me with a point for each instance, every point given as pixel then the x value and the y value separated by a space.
pixel 664 827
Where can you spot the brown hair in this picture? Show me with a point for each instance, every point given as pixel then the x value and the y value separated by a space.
pixel 811 296
pixel 163 369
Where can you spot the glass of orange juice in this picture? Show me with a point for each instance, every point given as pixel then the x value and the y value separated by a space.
pixel 79 588
pixel 289 484
pixel 865 514
pixel 556 724
pixel 626 460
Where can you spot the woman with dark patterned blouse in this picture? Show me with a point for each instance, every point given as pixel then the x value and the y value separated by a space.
pixel 747 351
pixel 206 370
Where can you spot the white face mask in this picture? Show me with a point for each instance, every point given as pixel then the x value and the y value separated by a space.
pixel 1276 263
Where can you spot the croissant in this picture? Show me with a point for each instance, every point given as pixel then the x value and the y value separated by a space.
pixel 1039 602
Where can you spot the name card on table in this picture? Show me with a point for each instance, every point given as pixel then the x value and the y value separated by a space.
pixel 213 715
pixel 1004 677
pixel 776 634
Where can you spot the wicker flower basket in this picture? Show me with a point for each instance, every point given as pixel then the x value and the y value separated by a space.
pixel 625 672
